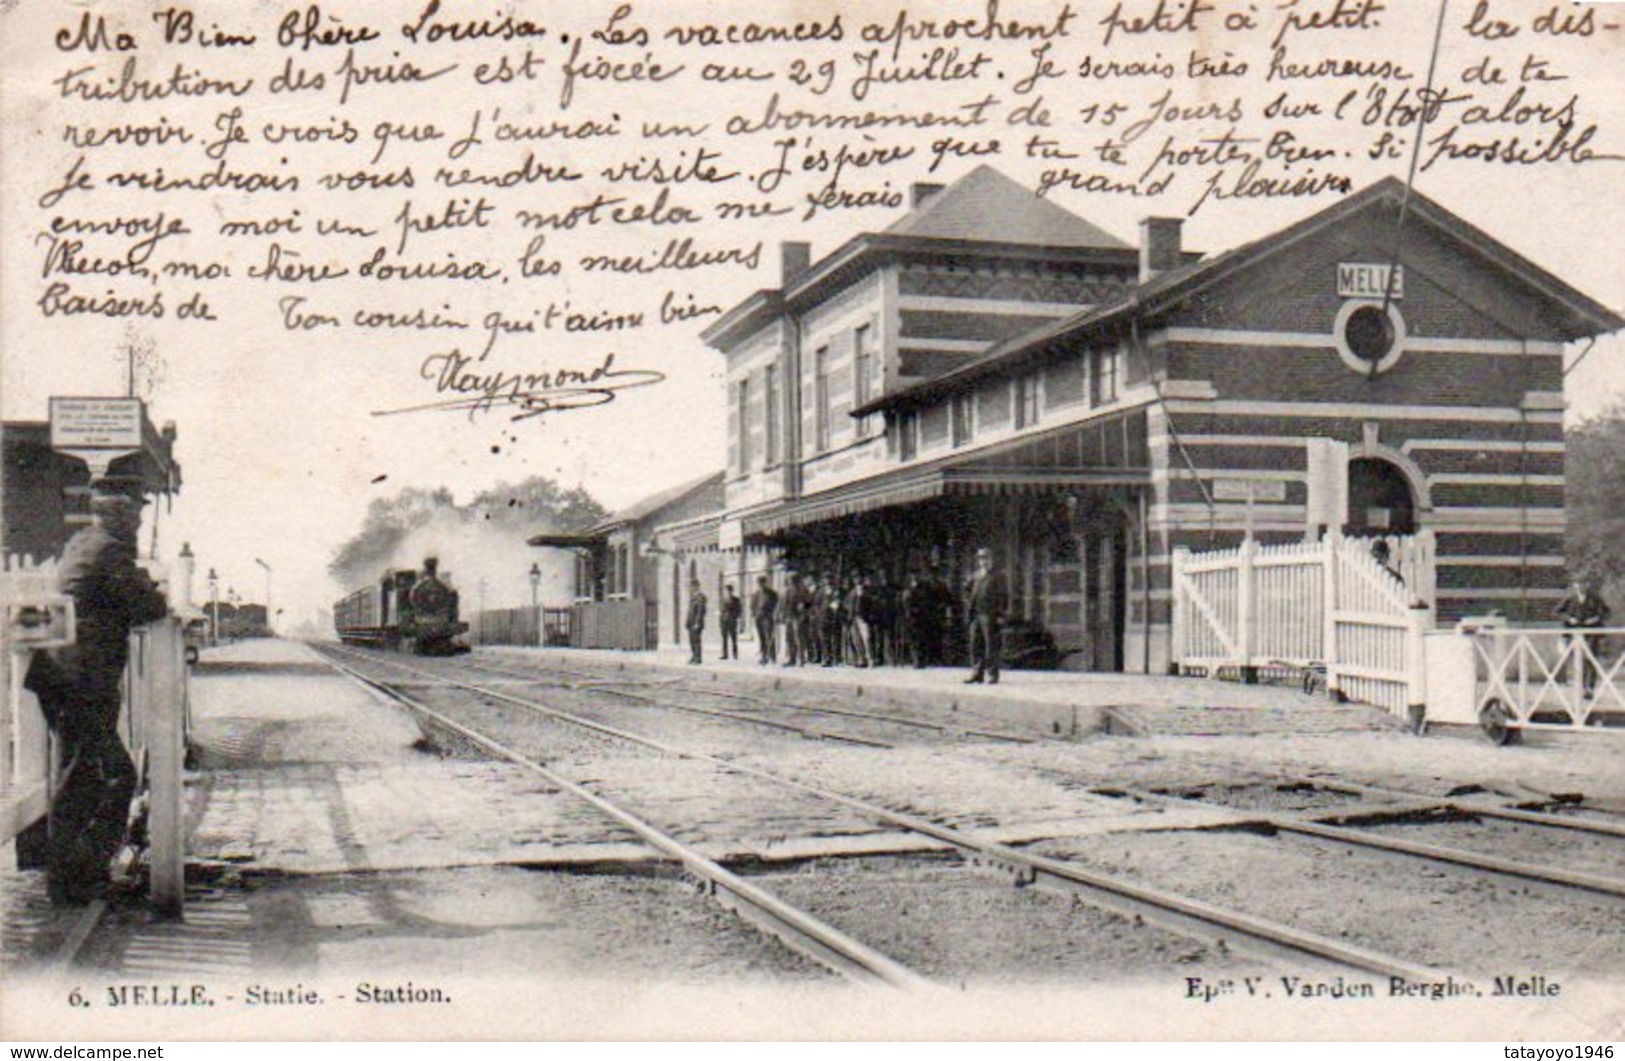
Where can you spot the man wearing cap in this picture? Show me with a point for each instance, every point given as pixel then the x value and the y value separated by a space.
pixel 1583 609
pixel 79 688
pixel 988 600
pixel 764 609
pixel 696 621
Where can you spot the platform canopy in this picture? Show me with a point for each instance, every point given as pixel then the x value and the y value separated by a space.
pixel 1108 452
pixel 567 541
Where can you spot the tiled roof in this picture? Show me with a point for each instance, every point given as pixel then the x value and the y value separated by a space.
pixel 988 206
pixel 1585 316
pixel 655 502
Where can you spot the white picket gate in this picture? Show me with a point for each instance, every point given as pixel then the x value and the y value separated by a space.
pixel 1306 606
pixel 1558 679
pixel 33 614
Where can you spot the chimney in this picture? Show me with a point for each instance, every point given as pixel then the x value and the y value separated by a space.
pixel 1159 245
pixel 794 259
pixel 921 193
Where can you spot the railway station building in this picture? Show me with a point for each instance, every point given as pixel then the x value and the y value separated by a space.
pixel 623 575
pixel 994 370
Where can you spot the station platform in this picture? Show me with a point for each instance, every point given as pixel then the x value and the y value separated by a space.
pixel 330 852
pixel 1052 703
pixel 322 837
pixel 325 839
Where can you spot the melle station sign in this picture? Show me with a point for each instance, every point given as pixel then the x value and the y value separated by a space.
pixel 1368 280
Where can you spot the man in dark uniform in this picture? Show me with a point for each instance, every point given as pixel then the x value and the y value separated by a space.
pixel 817 604
pixel 933 610
pixel 908 615
pixel 988 599
pixel 80 693
pixel 696 620
pixel 798 621
pixel 764 609
pixel 884 606
pixel 834 624
pixel 791 609
pixel 732 613
pixel 1581 609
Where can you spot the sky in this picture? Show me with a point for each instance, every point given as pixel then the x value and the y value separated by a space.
pixel 278 442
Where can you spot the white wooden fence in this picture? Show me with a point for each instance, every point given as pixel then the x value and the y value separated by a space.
pixel 1309 605
pixel 1550 679
pixel 37 616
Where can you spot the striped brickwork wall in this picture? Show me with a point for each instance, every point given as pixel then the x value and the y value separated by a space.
pixel 1471 412
pixel 947 312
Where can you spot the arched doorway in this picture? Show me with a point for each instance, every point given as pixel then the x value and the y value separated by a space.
pixel 1380 498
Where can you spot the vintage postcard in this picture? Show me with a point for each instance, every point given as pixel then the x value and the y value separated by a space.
pixel 1043 519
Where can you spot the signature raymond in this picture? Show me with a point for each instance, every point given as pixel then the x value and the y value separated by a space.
pixel 475 389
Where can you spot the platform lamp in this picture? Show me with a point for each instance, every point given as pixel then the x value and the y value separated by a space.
pixel 269 628
pixel 214 605
pixel 535 598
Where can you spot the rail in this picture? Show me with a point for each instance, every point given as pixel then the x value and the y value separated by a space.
pixel 1190 917
pixel 1549 679
pixel 796 928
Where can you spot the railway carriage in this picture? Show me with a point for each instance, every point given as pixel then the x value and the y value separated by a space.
pixel 405 611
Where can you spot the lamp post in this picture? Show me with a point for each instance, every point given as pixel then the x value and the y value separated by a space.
pixel 535 605
pixel 268 628
pixel 214 605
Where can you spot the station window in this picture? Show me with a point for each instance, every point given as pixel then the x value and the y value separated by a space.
pixel 862 366
pixel 1369 340
pixel 1105 374
pixel 771 399
pixel 744 425
pixel 1026 399
pixel 821 407
pixel 907 428
pixel 964 418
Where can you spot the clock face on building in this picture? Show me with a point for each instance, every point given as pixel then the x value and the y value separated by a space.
pixel 1369 334
pixel 1370 340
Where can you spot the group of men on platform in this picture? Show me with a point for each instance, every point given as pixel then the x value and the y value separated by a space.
pixel 861 622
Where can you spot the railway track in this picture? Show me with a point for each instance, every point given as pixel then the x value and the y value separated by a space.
pixel 1393 802
pixel 1226 929
pixel 629 689
pixel 799 930
pixel 1296 825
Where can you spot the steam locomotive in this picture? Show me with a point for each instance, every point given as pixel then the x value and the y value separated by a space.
pixel 404 612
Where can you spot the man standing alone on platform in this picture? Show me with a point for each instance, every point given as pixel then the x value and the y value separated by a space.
pixel 1581 609
pixel 764 609
pixel 733 612
pixel 988 599
pixel 696 620
pixel 79 689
